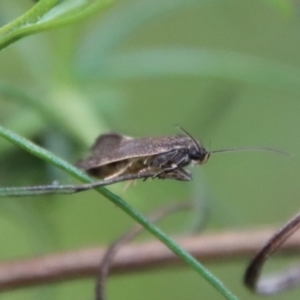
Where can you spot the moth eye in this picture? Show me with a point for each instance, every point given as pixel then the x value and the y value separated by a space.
pixel 195 154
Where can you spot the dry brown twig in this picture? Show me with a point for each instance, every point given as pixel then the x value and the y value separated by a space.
pixel 208 247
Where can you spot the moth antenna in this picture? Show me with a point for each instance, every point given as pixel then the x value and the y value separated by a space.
pixel 251 149
pixel 191 137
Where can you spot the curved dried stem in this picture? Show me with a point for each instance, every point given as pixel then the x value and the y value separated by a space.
pixel 277 282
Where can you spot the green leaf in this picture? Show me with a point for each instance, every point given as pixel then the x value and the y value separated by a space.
pixel 198 62
pixel 55 109
pixel 120 23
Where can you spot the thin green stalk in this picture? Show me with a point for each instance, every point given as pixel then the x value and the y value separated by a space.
pixel 63 165
pixel 7 32
pixel 47 14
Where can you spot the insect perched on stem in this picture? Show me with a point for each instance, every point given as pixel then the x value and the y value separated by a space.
pixel 117 158
pixel 115 155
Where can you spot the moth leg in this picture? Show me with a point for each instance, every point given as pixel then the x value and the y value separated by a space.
pixel 169 159
pixel 163 159
pixel 171 165
pixel 177 174
pixel 173 168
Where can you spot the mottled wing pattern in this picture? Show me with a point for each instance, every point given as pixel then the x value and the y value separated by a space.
pixel 113 147
pixel 152 146
pixel 104 151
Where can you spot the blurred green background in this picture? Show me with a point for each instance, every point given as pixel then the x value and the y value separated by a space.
pixel 226 71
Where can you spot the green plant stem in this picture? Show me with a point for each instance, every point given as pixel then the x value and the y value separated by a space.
pixel 63 165
pixel 7 35
pixel 47 14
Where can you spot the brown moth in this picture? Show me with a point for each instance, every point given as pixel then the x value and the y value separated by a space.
pixel 165 157
pixel 115 155
pixel 117 158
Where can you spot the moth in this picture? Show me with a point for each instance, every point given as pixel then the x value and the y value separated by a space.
pixel 166 157
pixel 115 157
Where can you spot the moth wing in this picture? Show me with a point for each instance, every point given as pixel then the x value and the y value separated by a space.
pixel 151 146
pixel 104 151
pixel 113 147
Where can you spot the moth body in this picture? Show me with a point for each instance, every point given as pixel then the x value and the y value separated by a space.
pixel 114 155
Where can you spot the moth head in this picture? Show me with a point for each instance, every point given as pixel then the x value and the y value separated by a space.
pixel 197 152
pixel 204 158
pixel 199 155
